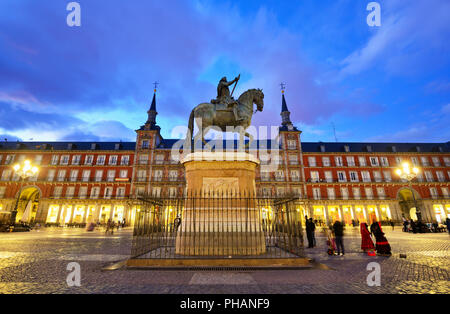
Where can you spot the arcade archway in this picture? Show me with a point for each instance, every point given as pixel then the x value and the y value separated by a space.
pixel 407 204
pixel 28 204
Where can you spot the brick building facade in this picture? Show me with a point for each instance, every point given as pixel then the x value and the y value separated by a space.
pixel 80 182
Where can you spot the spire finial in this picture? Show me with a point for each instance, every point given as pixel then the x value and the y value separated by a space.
pixel 283 87
pixel 156 85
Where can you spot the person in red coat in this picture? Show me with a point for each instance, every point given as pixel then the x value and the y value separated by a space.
pixel 366 239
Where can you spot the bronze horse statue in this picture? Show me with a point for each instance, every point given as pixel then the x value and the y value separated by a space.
pixel 208 115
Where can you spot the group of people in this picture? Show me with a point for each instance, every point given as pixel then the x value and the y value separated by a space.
pixel 110 225
pixel 381 246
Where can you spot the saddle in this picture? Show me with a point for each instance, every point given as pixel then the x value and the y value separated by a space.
pixel 222 107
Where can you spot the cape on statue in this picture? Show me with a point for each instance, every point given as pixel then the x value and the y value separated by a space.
pixel 208 115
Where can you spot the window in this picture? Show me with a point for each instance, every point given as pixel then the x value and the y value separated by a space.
pixel 55 160
pixel 377 176
pixel 436 161
pixel 338 161
pixel 9 159
pixel 279 175
pixel 141 175
pixel 374 161
pixel 101 160
pixel 73 175
pixel 314 176
pixel 433 193
pixel 365 176
pixel 156 191
pixel 51 174
pixel 447 161
pixel 384 161
pixel 362 161
pixel 328 176
pixel 440 176
pixel 172 192
pixel 344 193
pixel 89 160
pixel 347 148
pixel 70 191
pixel 1 157
pixel 113 160
pixel 369 192
pixel 295 175
pixel 398 161
pixel 95 192
pixel 445 192
pixel 415 161
pixel 120 192
pixel 312 161
pixel 429 176
pixel 76 159
pixel 292 144
pixel 57 191
pixel 61 175
pixel 140 191
pixel 354 176
pixel 381 193
pixel 264 176
pixel 159 159
pixel 351 161
pixel 65 159
pixel 424 161
pixel 123 174
pixel 173 175
pixel 98 175
pixel 83 192
pixel 341 176
pixel 316 193
pixel 330 192
pixel 108 192
pixel 86 175
pixel 2 192
pixel 387 176
pixel 111 175
pixel 326 161
pixel 143 159
pixel 125 160
pixel 356 193
pixel 37 159
pixel 293 159
pixel 297 191
pixel 158 175
pixel 145 144
pixel 6 174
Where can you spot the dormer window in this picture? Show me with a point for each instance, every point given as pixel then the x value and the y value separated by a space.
pixel 322 148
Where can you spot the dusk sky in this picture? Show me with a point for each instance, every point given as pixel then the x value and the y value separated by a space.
pixel 94 82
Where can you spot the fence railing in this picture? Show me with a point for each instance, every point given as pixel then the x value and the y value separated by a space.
pixel 217 226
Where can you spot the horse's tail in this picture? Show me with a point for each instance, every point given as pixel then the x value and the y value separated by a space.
pixel 190 131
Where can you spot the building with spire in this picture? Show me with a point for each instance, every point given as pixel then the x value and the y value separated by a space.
pixel 81 182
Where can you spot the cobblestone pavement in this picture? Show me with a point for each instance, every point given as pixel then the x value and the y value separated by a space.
pixel 36 262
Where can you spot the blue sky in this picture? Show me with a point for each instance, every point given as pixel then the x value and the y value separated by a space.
pixel 94 82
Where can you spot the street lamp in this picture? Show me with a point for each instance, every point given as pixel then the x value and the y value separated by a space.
pixel 24 171
pixel 408 174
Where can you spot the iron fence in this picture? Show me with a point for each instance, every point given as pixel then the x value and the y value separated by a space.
pixel 217 226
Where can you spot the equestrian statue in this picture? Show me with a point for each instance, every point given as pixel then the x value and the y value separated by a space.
pixel 225 111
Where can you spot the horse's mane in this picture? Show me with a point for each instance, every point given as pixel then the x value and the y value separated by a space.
pixel 247 92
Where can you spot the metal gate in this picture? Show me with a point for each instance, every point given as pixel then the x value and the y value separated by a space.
pixel 217 226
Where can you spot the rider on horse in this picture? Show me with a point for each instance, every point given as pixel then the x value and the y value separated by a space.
pixel 224 96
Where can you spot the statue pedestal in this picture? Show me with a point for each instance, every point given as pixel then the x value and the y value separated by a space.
pixel 221 216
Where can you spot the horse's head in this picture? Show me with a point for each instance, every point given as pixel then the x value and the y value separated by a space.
pixel 258 99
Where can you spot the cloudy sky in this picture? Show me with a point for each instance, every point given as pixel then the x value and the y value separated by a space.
pixel 94 82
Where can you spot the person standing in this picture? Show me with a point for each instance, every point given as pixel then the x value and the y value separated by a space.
pixel 447 222
pixel 382 245
pixel 366 240
pixel 313 232
pixel 309 233
pixel 338 230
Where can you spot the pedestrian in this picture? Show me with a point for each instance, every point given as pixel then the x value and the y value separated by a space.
pixel 123 223
pixel 338 230
pixel 382 245
pixel 366 240
pixel 309 233
pixel 447 222
pixel 405 224
pixel 313 232
pixel 413 226
pixel 392 224
pixel 177 222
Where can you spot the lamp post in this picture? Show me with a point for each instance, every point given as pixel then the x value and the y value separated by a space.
pixel 24 171
pixel 408 174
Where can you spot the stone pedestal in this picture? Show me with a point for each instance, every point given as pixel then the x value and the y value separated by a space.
pixel 220 217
